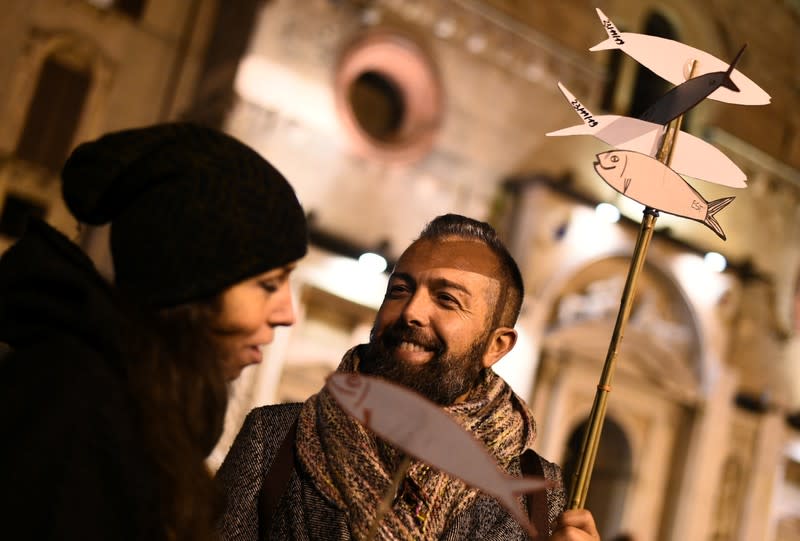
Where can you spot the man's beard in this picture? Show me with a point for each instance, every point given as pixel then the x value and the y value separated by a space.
pixel 443 379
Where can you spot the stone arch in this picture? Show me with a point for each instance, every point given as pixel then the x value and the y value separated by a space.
pixel 611 476
pixel 654 275
pixel 657 386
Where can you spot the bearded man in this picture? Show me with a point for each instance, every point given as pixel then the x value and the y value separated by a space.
pixel 310 472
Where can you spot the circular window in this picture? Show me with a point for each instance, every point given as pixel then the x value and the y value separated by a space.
pixel 378 105
pixel 388 96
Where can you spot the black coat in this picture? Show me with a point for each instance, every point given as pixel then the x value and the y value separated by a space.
pixel 71 460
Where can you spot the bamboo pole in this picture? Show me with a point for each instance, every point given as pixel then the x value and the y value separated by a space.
pixel 591 439
pixel 388 496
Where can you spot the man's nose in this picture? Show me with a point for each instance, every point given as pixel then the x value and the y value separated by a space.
pixel 417 310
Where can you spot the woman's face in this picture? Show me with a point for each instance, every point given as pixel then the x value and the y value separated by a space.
pixel 250 312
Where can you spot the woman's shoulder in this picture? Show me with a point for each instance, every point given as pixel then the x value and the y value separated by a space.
pixel 61 371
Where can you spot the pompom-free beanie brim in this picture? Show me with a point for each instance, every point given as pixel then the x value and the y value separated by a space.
pixel 192 210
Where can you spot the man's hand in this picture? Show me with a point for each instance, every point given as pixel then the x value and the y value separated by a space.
pixel 575 525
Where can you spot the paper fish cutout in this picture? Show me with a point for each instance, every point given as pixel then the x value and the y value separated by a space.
pixel 690 155
pixel 671 59
pixel 689 93
pixel 651 183
pixel 425 431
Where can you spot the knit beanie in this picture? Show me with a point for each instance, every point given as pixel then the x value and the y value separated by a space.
pixel 192 210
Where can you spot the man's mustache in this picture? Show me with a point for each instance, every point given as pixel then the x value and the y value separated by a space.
pixel 400 332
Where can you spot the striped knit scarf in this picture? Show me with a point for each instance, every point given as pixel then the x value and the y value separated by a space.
pixel 353 469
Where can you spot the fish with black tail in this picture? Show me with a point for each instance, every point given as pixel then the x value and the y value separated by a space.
pixel 689 93
pixel 671 59
pixel 651 183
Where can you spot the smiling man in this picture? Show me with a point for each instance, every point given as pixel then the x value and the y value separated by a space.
pixel 308 471
pixel 442 320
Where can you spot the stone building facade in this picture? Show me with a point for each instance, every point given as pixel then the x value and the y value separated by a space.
pixel 72 70
pixel 386 113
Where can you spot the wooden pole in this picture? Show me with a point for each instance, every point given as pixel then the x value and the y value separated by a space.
pixel 583 472
pixel 591 438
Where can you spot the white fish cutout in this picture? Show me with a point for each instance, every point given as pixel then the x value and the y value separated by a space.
pixel 651 183
pixel 691 155
pixel 422 429
pixel 670 60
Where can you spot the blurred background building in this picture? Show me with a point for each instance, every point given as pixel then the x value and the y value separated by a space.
pixel 386 113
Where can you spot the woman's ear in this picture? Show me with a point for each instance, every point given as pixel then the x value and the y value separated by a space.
pixel 501 342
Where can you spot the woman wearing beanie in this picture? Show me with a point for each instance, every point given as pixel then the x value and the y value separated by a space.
pixel 113 394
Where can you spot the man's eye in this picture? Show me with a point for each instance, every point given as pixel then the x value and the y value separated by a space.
pixel 397 289
pixel 447 298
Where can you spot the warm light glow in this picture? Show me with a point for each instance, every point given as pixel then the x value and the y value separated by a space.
pixel 445 28
pixel 702 283
pixel 345 277
pixel 630 208
pixel 607 212
pixel 534 72
pixel 516 366
pixel 589 235
pixel 476 43
pixel 371 16
pixel 715 261
pixel 276 87
pixel 372 262
pixel 793 450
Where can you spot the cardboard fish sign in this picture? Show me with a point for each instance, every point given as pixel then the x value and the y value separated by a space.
pixel 689 93
pixel 671 59
pixel 691 155
pixel 651 183
pixel 425 431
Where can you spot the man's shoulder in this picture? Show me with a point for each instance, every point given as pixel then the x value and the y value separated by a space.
pixel 270 423
pixel 276 413
pixel 550 470
pixel 254 448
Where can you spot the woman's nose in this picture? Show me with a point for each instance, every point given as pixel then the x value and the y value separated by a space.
pixel 282 313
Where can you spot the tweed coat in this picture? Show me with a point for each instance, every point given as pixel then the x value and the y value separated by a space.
pixel 304 514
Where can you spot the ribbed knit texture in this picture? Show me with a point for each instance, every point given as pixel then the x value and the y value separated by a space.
pixel 354 469
pixel 193 210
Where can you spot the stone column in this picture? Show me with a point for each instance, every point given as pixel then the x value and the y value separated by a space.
pixel 707 450
pixel 767 456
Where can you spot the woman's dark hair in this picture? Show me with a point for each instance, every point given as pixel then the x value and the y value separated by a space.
pixel 180 393
pixel 187 205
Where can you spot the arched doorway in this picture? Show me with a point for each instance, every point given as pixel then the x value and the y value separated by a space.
pixel 656 390
pixel 611 475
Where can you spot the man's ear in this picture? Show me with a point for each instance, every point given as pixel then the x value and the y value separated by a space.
pixel 501 341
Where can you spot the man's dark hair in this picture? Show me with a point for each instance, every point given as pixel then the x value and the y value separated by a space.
pixel 509 299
